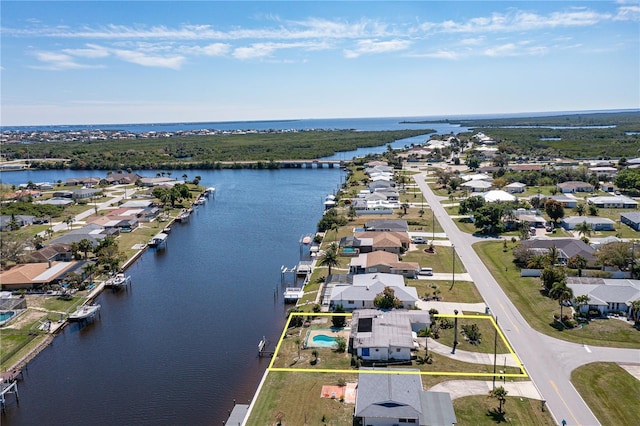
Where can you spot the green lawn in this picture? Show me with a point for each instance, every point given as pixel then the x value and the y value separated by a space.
pixel 462 291
pixel 441 260
pixel 482 410
pixel 538 310
pixel 610 392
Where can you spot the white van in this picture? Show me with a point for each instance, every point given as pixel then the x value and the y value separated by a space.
pixel 425 271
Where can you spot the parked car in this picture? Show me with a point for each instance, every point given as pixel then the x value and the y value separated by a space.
pixel 418 240
pixel 425 271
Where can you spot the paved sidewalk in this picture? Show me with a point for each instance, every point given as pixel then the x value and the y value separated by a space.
pixel 443 276
pixel 460 388
pixel 450 307
pixel 472 357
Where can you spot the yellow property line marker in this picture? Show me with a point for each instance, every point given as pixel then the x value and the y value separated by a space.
pixel 422 373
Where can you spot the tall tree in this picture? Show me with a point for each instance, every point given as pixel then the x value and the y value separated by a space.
pixel 554 209
pixel 330 257
pixel 85 246
pixel 387 299
pixel 584 229
pixel 562 293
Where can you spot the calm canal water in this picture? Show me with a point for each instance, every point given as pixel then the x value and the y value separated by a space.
pixel 182 343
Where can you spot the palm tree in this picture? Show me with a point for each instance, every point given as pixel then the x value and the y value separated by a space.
pixel 90 269
pixel 580 209
pixel 404 207
pixel 584 229
pixel 500 394
pixel 582 300
pixel 85 246
pixel 330 257
pixel 561 293
pixel 635 310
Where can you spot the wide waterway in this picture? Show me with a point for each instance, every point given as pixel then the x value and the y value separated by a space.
pixel 181 345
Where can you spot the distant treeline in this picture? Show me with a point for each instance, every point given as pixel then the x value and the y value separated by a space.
pixel 203 152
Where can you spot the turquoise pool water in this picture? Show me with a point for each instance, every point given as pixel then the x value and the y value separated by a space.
pixel 5 315
pixel 323 340
pixel 349 250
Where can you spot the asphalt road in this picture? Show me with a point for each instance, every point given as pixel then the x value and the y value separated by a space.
pixel 547 360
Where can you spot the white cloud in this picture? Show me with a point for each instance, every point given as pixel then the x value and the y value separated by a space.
pixel 58 61
pixel 262 50
pixel 213 49
pixel 140 58
pixel 515 49
pixel 374 47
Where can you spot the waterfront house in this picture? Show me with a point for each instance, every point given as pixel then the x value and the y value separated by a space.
pixel 574 186
pixel 122 178
pixel 632 219
pixel 82 181
pixel 35 275
pixel 387 399
pixel 613 202
pixel 385 335
pixel 393 242
pixel 91 232
pixel 596 223
pixel 387 225
pixel 359 291
pixel 608 296
pixel 382 261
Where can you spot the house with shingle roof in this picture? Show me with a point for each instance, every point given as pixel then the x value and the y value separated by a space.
pixel 596 223
pixel 632 219
pixel 392 399
pixel 382 261
pixel 574 186
pixel 359 291
pixel 613 202
pixel 53 253
pixel 566 248
pixel 606 295
pixel 387 225
pixel 393 242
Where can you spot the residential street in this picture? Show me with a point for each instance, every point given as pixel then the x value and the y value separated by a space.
pixel 548 361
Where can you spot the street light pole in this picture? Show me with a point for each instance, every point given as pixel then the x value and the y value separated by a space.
pixel 455 331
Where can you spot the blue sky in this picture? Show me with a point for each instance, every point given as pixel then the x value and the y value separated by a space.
pixel 129 62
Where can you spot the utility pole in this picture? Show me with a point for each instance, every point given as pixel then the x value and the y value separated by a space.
pixel 455 331
pixel 453 269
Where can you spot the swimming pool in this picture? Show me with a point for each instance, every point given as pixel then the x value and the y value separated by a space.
pixel 348 250
pixel 6 316
pixel 322 340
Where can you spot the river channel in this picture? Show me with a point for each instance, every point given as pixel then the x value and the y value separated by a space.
pixel 181 344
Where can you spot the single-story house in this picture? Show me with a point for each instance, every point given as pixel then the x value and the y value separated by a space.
pixel 566 201
pixel 154 181
pixel 606 295
pixel 53 253
pixel 385 335
pixel 574 186
pixel 498 195
pixel 352 246
pixel 613 202
pixel 387 225
pixel 136 204
pixel 477 185
pixel 604 171
pixel 516 187
pixel 91 232
pixel 20 220
pixel 122 178
pixel 86 181
pixel 382 261
pixel 596 223
pixel 393 242
pixel 365 287
pixel 566 248
pixel 477 176
pixel 632 219
pixel 63 194
pixel 389 398
pixel 534 221
pixel 86 193
pixel 607 187
pixel 57 201
pixel 34 275
pixel 380 184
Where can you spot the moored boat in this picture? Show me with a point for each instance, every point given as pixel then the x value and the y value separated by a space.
pixel 117 281
pixel 84 312
pixel 157 239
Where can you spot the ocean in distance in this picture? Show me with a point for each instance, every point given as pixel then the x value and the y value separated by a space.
pixel 181 345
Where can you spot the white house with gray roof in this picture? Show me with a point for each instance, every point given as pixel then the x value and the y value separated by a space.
pixel 596 223
pixel 606 295
pixel 393 399
pixel 632 219
pixel 385 335
pixel 363 288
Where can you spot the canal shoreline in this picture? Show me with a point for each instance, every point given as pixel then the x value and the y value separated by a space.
pixel 48 339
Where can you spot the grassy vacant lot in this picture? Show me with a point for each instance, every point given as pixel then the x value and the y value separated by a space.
pixel 610 392
pixel 487 341
pixel 441 260
pixel 298 397
pixel 462 291
pixel 538 310
pixel 483 410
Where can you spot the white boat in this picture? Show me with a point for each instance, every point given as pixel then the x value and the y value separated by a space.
pixel 84 312
pixel 117 281
pixel 157 239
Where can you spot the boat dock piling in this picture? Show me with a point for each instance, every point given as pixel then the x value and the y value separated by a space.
pixel 9 385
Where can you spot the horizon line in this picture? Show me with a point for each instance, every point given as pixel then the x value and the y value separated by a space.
pixel 461 116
